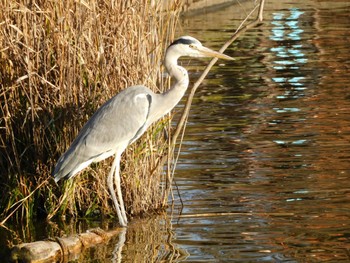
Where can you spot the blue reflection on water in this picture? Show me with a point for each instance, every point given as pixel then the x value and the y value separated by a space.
pixel 289 55
pixel 284 29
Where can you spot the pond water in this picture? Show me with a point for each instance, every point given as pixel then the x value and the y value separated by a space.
pixel 265 163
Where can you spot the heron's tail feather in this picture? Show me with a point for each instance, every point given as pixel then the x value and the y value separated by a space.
pixel 59 176
pixel 68 166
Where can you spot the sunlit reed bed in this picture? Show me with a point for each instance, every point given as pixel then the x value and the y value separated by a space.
pixel 59 62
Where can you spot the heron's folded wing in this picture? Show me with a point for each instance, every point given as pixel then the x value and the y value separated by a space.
pixel 113 127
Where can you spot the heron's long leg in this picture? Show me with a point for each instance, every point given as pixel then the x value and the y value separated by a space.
pixel 112 191
pixel 119 190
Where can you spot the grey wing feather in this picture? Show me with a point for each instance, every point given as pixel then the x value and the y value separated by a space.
pixel 116 124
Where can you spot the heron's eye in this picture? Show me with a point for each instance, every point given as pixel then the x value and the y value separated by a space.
pixel 192 46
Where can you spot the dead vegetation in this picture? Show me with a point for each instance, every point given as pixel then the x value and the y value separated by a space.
pixel 59 61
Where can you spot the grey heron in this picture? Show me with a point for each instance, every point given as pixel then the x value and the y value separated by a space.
pixel 125 117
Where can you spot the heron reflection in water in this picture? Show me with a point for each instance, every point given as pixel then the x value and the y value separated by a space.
pixel 125 117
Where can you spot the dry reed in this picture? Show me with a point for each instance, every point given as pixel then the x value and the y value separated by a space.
pixel 59 61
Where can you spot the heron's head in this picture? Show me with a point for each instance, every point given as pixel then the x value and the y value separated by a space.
pixel 189 46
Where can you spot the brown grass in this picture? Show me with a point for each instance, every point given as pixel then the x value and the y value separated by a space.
pixel 59 61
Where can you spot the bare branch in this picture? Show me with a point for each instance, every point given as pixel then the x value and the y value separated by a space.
pixel 241 29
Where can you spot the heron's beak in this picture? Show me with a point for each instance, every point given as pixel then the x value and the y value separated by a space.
pixel 207 52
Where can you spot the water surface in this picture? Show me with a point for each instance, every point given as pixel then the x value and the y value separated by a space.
pixel 264 167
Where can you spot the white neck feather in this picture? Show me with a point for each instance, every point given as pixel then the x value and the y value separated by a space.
pixel 179 75
pixel 169 99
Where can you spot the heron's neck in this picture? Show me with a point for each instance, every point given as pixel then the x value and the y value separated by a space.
pixel 169 99
pixel 179 75
pixel 179 78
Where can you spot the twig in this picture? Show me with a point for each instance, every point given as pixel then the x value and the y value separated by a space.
pixel 235 214
pixel 183 119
